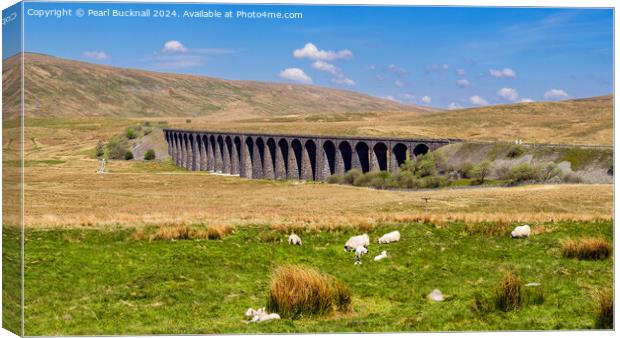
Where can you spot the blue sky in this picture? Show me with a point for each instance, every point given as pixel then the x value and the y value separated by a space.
pixel 437 56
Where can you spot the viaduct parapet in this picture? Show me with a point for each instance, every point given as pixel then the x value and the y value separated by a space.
pixel 305 157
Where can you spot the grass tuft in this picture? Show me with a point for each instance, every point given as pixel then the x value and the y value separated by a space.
pixel 219 231
pixel 604 311
pixel 586 248
pixel 508 294
pixel 296 291
pixel 178 232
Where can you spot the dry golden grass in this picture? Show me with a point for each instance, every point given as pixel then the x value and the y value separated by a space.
pixel 586 248
pixel 178 232
pixel 297 291
pixel 508 294
pixel 604 309
pixel 219 231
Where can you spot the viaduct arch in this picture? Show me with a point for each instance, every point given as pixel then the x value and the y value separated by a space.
pixel 305 157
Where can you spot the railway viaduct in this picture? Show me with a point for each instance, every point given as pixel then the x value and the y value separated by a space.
pixel 306 157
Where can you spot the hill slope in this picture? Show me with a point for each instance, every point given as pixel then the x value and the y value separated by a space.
pixel 66 88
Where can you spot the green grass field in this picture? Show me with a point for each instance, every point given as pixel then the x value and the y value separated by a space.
pixel 104 282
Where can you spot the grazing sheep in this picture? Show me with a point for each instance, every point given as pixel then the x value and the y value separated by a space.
pixel 381 256
pixel 357 241
pixel 294 239
pixel 391 237
pixel 260 315
pixel 359 251
pixel 521 231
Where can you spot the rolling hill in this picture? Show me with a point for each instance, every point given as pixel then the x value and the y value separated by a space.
pixel 58 87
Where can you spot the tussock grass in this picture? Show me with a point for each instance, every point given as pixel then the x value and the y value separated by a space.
pixel 296 291
pixel 219 231
pixel 604 310
pixel 178 232
pixel 508 294
pixel 586 248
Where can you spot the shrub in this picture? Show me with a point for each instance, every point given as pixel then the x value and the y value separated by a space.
pixel 297 291
pixel 433 182
pixel 604 312
pixel 335 179
pixel 571 177
pixel 523 172
pixel 178 232
pixel 465 170
pixel 362 180
pixel 149 155
pixel 116 149
pixel 425 165
pixel 130 133
pixel 502 172
pixel 508 294
pixel 515 151
pixel 405 179
pixel 586 248
pixel 99 149
pixel 550 171
pixel 351 175
pixel 128 155
pixel 219 231
pixel 481 171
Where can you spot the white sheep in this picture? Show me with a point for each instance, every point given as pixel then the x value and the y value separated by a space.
pixel 359 251
pixel 294 239
pixel 381 256
pixel 260 315
pixel 521 231
pixel 357 241
pixel 390 237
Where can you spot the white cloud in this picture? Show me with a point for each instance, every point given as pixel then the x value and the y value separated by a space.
pixel 463 83
pixel 174 46
pixel 408 97
pixel 556 94
pixel 426 99
pixel 295 74
pixel 454 105
pixel 460 72
pixel 525 100
pixel 379 77
pixel 508 94
pixel 343 80
pixel 396 70
pixel 95 55
pixel 478 101
pixel 399 83
pixel 325 67
pixel 310 51
pixel 435 67
pixel 506 72
pixel 391 98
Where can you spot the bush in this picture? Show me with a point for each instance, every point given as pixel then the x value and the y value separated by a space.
pixel 128 155
pixel 515 151
pixel 433 182
pixel 549 172
pixel 502 172
pixel 405 179
pixel 586 248
pixel 571 177
pixel 604 313
pixel 130 133
pixel 116 149
pixel 465 170
pixel 335 179
pixel 523 172
pixel 425 165
pixel 508 294
pixel 351 175
pixel 297 291
pixel 149 155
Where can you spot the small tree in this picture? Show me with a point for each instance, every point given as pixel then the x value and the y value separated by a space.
pixel 550 171
pixel 149 155
pixel 128 155
pixel 100 149
pixel 481 171
pixel 130 133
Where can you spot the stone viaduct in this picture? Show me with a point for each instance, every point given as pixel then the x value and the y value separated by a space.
pixel 306 157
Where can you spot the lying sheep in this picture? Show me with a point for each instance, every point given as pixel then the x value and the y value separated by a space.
pixel 521 231
pixel 294 239
pixel 391 237
pixel 357 241
pixel 260 315
pixel 359 251
pixel 381 256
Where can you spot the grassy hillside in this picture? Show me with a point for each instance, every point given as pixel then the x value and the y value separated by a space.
pixel 65 88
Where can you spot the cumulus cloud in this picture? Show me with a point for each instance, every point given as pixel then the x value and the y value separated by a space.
pixel 343 80
pixel 460 72
pixel 454 105
pixel 463 83
pixel 526 100
pixel 477 100
pixel 426 99
pixel 556 94
pixel 509 94
pixel 506 72
pixel 312 52
pixel 295 74
pixel 95 55
pixel 174 46
pixel 396 70
pixel 325 67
